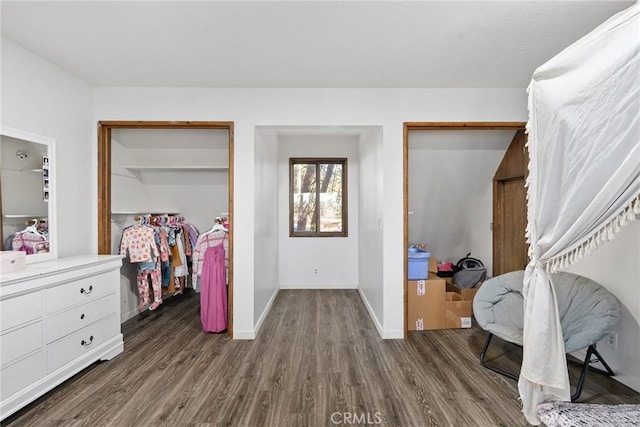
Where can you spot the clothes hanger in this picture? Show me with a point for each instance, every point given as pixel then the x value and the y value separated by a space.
pixel 33 228
pixel 218 226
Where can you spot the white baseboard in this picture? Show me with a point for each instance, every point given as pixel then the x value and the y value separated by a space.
pixel 244 335
pixel 318 286
pixel 393 334
pixel 621 375
pixel 266 311
pixel 627 380
pixel 251 334
pixel 371 313
pixel 128 315
pixel 390 334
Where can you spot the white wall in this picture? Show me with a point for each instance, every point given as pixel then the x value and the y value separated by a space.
pixel 451 191
pixel 266 243
pixel 616 266
pixel 41 98
pixel 370 245
pixel 249 108
pixel 128 193
pixel 199 196
pixel 335 258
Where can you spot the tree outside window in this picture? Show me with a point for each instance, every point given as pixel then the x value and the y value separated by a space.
pixel 318 197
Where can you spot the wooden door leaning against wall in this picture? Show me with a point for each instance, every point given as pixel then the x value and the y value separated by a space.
pixel 510 208
pixel 104 185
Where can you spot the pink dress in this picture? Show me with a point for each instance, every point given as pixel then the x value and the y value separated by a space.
pixel 213 294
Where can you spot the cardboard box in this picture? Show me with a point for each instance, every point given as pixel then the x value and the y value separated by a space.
pixel 465 294
pixel 457 312
pixel 436 303
pixel 433 265
pixel 426 305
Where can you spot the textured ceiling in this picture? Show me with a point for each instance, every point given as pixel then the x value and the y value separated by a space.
pixel 302 44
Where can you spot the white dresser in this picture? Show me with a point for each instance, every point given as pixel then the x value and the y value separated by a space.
pixel 56 318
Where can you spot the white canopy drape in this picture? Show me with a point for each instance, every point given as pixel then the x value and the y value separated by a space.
pixel 583 183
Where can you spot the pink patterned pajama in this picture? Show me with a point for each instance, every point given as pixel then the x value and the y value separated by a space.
pixel 143 288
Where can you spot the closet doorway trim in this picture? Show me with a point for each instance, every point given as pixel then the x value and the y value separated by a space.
pixel 104 184
pixel 409 126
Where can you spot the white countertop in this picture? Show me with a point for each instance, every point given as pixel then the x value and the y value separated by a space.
pixel 57 266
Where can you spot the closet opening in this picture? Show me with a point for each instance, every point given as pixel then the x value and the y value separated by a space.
pixel 460 180
pixel 178 174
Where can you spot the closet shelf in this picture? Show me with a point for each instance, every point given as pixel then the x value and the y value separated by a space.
pixel 177 168
pixel 23 216
pixel 21 170
pixel 153 212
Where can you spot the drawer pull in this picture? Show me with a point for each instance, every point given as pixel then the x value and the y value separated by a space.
pixel 82 316
pixel 83 291
pixel 87 343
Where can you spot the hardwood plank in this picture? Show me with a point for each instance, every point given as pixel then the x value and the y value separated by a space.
pixel 318 354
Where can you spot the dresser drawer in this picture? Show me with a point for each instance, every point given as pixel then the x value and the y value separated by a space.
pixel 21 374
pixel 79 291
pixel 16 344
pixel 80 342
pixel 66 322
pixel 19 310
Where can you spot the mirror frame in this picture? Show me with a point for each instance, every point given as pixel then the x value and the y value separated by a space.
pixel 51 208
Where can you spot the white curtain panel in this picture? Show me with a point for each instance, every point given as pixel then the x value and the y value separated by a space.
pixel 583 183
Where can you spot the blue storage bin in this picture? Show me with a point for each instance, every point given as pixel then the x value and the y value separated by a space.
pixel 418 264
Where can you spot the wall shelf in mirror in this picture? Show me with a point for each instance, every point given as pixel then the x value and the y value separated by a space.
pixel 22 170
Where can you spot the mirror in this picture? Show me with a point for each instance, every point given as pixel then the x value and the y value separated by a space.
pixel 27 194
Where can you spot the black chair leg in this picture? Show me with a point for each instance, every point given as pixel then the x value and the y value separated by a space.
pixel 591 351
pixel 585 368
pixel 484 363
pixel 609 372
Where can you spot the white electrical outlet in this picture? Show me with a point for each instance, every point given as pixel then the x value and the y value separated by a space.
pixel 612 340
pixel 315 271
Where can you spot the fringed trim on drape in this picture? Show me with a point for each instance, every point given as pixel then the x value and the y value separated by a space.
pixel 604 234
pixel 530 131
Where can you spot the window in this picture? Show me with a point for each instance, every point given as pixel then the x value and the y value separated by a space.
pixel 318 197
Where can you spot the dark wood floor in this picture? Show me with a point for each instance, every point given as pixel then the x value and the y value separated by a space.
pixel 317 354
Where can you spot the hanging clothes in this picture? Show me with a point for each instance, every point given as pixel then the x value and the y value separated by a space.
pixel 209 262
pixel 207 240
pixel 146 271
pixel 141 243
pixel 28 242
pixel 32 240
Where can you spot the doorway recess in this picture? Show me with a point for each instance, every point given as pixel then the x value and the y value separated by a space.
pixel 104 184
pixel 412 126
